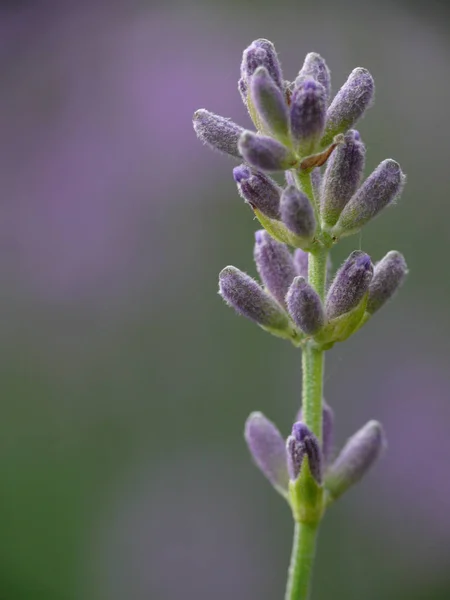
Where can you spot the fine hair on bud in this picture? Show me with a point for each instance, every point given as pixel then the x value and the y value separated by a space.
pixel 388 276
pixel 265 153
pixel 217 132
pixel 356 458
pixel 380 189
pixel 274 264
pixel 327 430
pixel 301 260
pixel 308 110
pixel 259 190
pixel 349 285
pixel 342 176
pixel 268 450
pixel 261 53
pixel 349 104
pixel 316 68
pixel 303 443
pixel 247 297
pixel 297 213
pixel 305 307
pixel 270 103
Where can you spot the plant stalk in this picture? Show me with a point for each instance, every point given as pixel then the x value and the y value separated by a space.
pixel 302 559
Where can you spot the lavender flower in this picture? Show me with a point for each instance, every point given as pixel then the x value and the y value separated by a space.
pixel 349 285
pixel 355 459
pixel 242 293
pixel 268 449
pixel 297 213
pixel 349 104
pixel 270 103
pixel 327 430
pixel 305 306
pixel 303 443
pixel 260 53
pixel 342 177
pixel 259 190
pixel 308 108
pixel 380 189
pixel 275 265
pixel 265 153
pixel 217 132
pixel 388 276
pixel 316 68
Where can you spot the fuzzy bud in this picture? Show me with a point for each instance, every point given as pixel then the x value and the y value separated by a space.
pixel 297 213
pixel 301 259
pixel 275 265
pixel 270 103
pixel 379 189
pixel 327 430
pixel 265 153
pixel 259 190
pixel 247 297
pixel 303 443
pixel 308 109
pixel 305 306
pixel 388 276
pixel 349 104
pixel 342 176
pixel 261 53
pixel 355 459
pixel 316 68
pixel 217 132
pixel 349 285
pixel 268 450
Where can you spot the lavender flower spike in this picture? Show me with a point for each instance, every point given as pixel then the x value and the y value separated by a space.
pixel 355 459
pixel 242 293
pixel 305 306
pixel 270 104
pixel 297 213
pixel 349 104
pixel 265 153
pixel 303 443
pixel 327 430
pixel 308 109
pixel 380 189
pixel 268 449
pixel 349 285
pixel 275 265
pixel 259 190
pixel 316 68
pixel 342 176
pixel 301 259
pixel 217 132
pixel 388 276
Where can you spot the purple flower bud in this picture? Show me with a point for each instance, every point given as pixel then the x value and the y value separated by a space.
pixel 301 263
pixel 268 450
pixel 380 189
pixel 327 430
pixel 275 265
pixel 349 285
pixel 297 213
pixel 242 293
pixel 316 68
pixel 355 459
pixel 305 306
pixel 261 53
pixel 342 176
pixel 303 443
pixel 349 104
pixel 217 132
pixel 308 109
pixel 259 190
pixel 270 103
pixel 316 182
pixel 388 276
pixel 265 153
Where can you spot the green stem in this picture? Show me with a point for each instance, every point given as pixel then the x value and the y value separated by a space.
pixel 302 558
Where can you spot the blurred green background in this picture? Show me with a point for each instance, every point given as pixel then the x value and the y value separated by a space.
pixel 126 381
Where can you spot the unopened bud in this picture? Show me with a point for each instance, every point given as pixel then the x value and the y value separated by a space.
pixel 316 68
pixel 349 285
pixel 301 259
pixel 261 53
pixel 327 430
pixel 305 306
pixel 303 443
pixel 275 265
pixel 265 153
pixel 270 103
pixel 308 109
pixel 217 132
pixel 388 276
pixel 297 213
pixel 259 190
